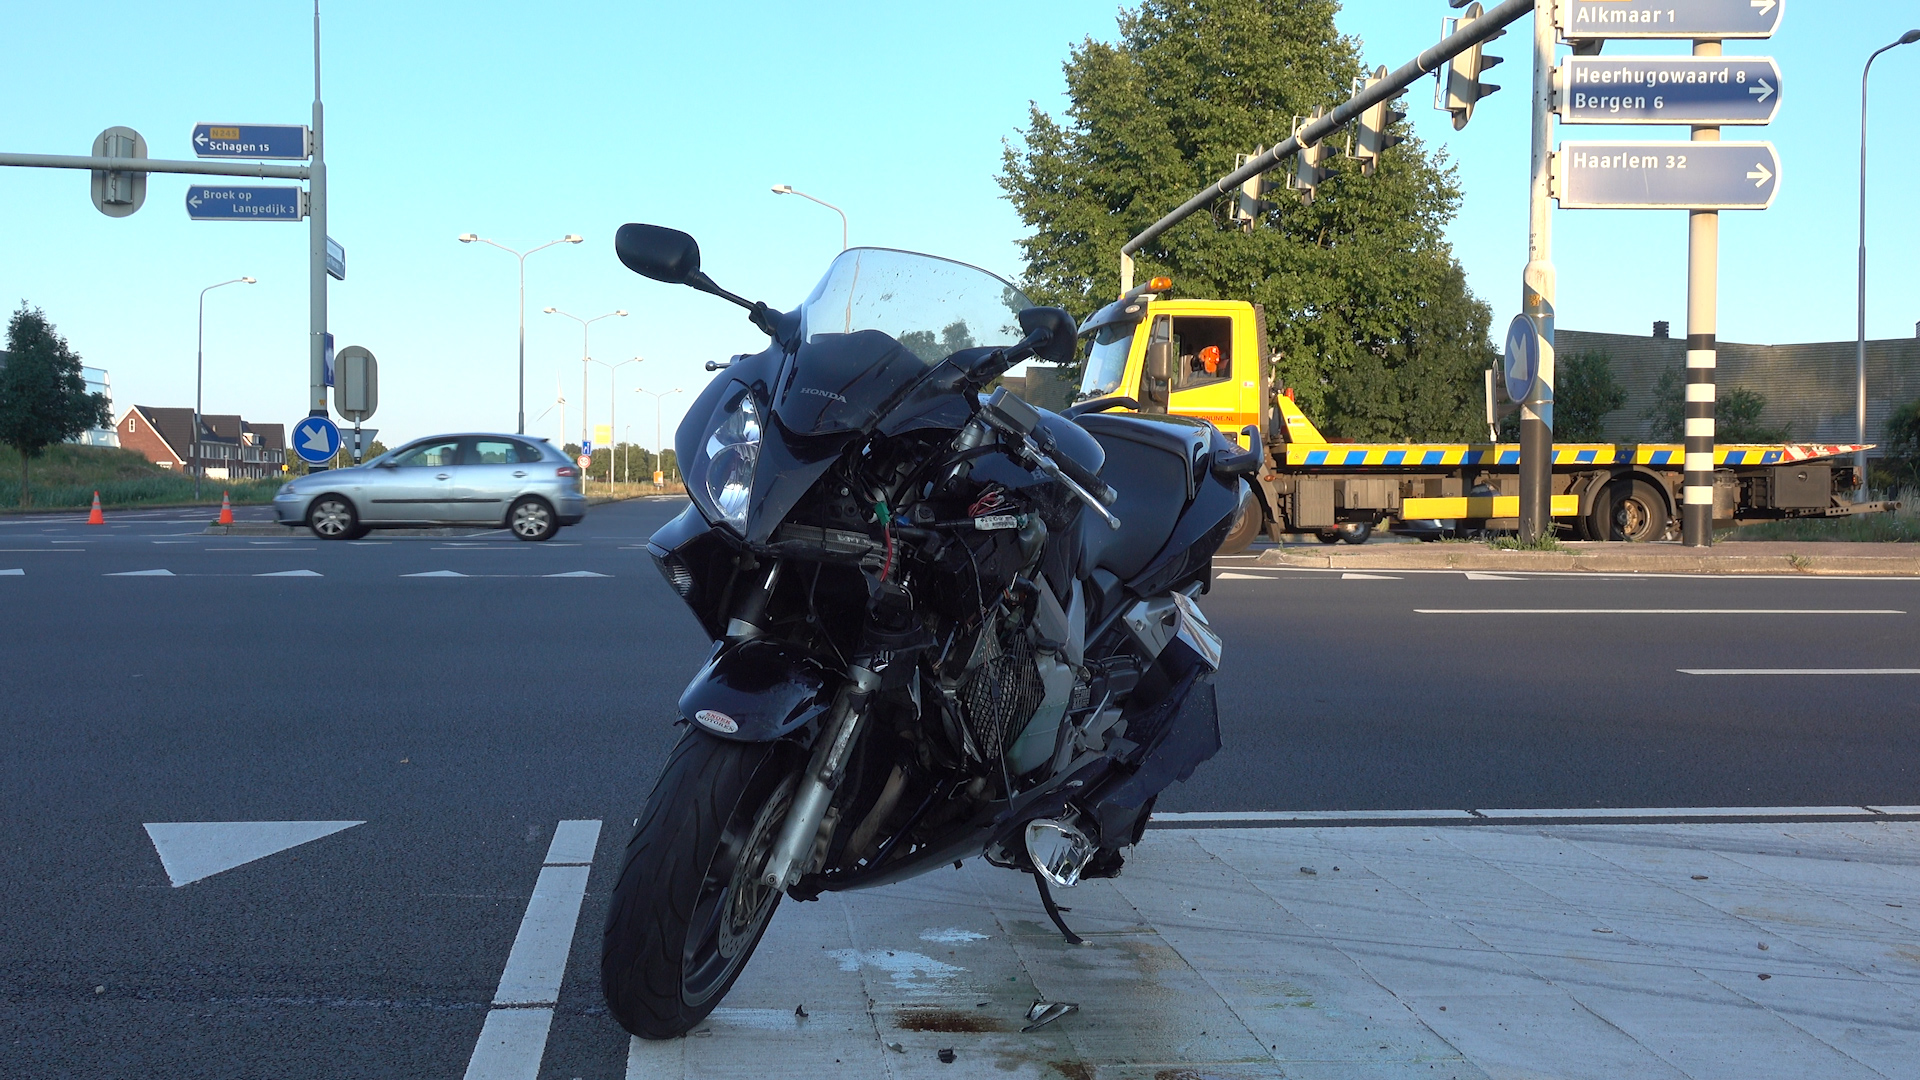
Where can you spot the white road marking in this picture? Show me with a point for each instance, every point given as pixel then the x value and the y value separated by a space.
pixel 69 541
pixel 176 541
pixel 1895 809
pixel 141 573
pixel 13 573
pixel 1800 671
pixel 1312 815
pixel 1592 575
pixel 50 551
pixel 1682 812
pixel 1656 611
pixel 1475 575
pixel 578 573
pixel 1241 577
pixel 290 573
pixel 514 1037
pixel 192 850
pixel 1274 818
pixel 436 573
pixel 1367 577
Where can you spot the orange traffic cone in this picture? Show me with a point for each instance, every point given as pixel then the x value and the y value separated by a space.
pixel 96 517
pixel 226 509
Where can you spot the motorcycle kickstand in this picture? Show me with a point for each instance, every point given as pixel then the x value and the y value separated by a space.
pixel 1054 910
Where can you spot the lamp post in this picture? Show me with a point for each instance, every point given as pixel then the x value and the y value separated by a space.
pixel 788 189
pixel 660 453
pixel 199 366
pixel 1860 345
pixel 613 419
pixel 584 324
pixel 570 238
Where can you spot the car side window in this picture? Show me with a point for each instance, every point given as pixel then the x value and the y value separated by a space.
pixel 494 452
pixel 529 454
pixel 438 454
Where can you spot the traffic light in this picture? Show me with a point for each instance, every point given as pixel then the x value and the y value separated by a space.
pixel 1372 139
pixel 1248 205
pixel 1309 172
pixel 1459 85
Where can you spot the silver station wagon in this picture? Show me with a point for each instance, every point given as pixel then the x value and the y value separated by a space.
pixel 512 481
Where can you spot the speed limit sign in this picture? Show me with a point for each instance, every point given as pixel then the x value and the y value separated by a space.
pixel 584 460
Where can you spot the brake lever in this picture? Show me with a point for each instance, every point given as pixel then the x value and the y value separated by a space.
pixel 1052 468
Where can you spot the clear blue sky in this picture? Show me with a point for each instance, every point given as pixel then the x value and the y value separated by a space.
pixel 523 123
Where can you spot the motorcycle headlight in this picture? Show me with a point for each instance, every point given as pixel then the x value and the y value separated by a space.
pixel 732 451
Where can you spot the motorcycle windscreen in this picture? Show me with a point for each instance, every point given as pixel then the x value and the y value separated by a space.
pixel 840 383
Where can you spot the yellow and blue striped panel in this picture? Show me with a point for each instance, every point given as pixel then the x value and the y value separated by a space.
pixel 1673 455
pixel 1416 455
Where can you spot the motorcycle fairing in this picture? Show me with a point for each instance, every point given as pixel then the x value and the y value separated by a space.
pixel 758 691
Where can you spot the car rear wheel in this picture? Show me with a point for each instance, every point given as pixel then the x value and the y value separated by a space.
pixel 533 519
pixel 331 517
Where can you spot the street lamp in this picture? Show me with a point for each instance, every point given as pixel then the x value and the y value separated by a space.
pixel 660 453
pixel 787 189
pixel 570 238
pixel 584 323
pixel 612 419
pixel 199 365
pixel 1860 345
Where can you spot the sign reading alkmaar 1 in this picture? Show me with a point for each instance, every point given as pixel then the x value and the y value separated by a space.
pixel 1666 175
pixel 1702 90
pixel 1670 18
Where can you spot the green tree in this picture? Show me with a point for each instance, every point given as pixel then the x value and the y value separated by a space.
pixel 1901 446
pixel 1736 413
pixel 43 395
pixel 1367 309
pixel 1585 394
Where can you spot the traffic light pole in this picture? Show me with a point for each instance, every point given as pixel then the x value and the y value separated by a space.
pixel 1537 293
pixel 317 247
pixel 1703 289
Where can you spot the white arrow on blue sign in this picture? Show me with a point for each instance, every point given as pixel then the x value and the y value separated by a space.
pixel 262 142
pixel 316 439
pixel 1666 175
pixel 1521 361
pixel 206 203
pixel 1671 18
pixel 1709 91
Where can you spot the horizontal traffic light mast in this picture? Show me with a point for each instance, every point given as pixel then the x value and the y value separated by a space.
pixel 1471 35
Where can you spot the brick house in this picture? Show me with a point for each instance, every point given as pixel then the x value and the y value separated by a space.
pixel 230 447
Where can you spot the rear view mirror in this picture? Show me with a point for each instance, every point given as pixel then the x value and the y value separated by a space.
pixel 1059 346
pixel 1159 359
pixel 662 254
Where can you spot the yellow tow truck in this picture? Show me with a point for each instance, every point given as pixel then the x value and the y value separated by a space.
pixel 1209 359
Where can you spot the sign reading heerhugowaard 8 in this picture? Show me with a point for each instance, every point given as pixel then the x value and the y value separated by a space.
pixel 1709 91
pixel 1670 18
pixel 1666 175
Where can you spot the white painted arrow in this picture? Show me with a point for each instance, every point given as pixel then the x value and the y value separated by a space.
pixel 1764 7
pixel 1765 90
pixel 193 201
pixel 191 850
pixel 199 138
pixel 316 439
pixel 1760 175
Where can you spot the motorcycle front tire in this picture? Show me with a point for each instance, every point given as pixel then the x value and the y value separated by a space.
pixel 688 910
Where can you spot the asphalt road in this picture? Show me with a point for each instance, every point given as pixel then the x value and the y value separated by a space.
pixel 459 719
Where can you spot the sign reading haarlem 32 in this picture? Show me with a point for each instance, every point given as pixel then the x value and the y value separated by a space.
pixel 1708 91
pixel 1670 18
pixel 1666 175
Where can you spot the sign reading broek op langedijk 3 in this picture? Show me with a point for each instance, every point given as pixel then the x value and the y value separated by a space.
pixel 1666 175
pixel 1693 90
pixel 1670 18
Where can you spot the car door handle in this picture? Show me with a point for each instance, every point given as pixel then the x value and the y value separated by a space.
pixel 442 476
pixel 520 473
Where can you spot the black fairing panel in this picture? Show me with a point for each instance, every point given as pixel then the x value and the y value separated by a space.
pixel 840 383
pixel 701 558
pixel 762 689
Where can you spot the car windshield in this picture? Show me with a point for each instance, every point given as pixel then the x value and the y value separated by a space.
pixel 933 307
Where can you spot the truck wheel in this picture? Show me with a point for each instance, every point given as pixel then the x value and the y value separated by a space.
pixel 1639 511
pixel 1248 522
pixel 1328 536
pixel 1356 532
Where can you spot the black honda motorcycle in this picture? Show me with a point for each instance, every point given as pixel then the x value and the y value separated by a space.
pixel 943 626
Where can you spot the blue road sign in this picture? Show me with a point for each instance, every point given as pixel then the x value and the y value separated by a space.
pixel 316 440
pixel 1666 175
pixel 207 203
pixel 1671 18
pixel 1521 361
pixel 1703 90
pixel 268 142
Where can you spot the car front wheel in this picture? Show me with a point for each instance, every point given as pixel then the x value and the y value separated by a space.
pixel 532 519
pixel 331 517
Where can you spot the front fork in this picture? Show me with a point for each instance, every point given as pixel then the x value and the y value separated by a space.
pixel 824 772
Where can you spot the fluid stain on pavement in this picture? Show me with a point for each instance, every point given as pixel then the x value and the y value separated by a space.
pixel 915 973
pixel 946 1020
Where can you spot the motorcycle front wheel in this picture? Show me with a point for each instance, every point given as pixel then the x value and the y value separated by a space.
pixel 689 908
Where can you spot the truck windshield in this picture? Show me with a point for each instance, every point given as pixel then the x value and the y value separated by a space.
pixel 1107 360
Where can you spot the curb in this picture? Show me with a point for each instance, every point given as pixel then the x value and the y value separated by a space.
pixel 270 528
pixel 1646 560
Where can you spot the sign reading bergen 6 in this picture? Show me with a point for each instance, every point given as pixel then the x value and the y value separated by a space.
pixel 1670 18
pixel 1666 175
pixel 1708 91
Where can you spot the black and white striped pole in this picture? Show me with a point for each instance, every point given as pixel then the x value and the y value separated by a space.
pixel 1703 296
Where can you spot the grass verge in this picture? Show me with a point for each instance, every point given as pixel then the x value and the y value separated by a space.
pixel 66 476
pixel 1901 526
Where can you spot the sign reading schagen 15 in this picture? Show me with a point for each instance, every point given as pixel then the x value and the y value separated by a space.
pixel 1586 19
pixel 265 142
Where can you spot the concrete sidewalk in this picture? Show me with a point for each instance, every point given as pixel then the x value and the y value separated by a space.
pixel 1738 557
pixel 1737 950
